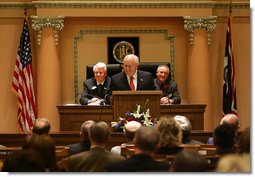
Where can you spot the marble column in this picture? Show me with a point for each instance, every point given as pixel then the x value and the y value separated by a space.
pixel 199 65
pixel 48 68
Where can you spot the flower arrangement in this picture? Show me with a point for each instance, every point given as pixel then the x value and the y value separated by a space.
pixel 141 114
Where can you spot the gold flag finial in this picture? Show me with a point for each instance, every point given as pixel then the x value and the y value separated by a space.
pixel 230 8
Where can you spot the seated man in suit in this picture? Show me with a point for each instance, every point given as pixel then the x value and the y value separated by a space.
pixel 232 120
pixel 169 88
pixel 84 145
pixel 147 141
pixel 96 88
pixel 131 78
pixel 41 126
pixel 97 158
pixel 186 130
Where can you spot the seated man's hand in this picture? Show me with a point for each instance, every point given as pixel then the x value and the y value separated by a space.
pixel 94 100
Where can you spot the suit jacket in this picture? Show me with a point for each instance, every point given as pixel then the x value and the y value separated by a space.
pixel 91 90
pixel 79 147
pixel 138 163
pixel 144 81
pixel 95 160
pixel 169 89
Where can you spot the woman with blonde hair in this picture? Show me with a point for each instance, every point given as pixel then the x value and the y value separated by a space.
pixel 170 136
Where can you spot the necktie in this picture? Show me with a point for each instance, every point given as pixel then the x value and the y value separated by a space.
pixel 100 90
pixel 131 84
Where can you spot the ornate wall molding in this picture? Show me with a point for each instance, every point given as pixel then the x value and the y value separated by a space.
pixel 193 23
pixel 105 31
pixel 125 4
pixel 38 23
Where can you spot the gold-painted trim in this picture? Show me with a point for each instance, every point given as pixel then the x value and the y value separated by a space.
pixel 193 23
pixel 126 4
pixel 38 23
pixel 105 31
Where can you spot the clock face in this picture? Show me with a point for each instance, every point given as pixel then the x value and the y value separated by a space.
pixel 121 49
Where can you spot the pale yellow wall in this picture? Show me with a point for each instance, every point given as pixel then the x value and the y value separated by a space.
pixel 10 29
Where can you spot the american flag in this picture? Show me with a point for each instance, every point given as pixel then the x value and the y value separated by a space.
pixel 229 86
pixel 22 83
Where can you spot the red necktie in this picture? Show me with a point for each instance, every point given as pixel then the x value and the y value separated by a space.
pixel 131 84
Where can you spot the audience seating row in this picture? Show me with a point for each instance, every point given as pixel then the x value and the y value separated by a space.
pixel 206 150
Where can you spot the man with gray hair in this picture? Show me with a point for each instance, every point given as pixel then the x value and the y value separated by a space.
pixel 96 89
pixel 84 145
pixel 131 78
pixel 186 130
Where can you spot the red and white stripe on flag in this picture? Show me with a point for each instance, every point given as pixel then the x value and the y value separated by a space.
pixel 22 83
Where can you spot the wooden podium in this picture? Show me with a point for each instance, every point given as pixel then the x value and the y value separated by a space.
pixel 124 101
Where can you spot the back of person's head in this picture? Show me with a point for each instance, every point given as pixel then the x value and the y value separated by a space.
pixel 147 139
pixel 170 132
pixel 130 129
pixel 189 161
pixel 224 136
pixel 43 144
pixel 234 163
pixel 185 126
pixel 244 141
pixel 27 160
pixel 41 126
pixel 231 119
pixel 99 133
pixel 85 128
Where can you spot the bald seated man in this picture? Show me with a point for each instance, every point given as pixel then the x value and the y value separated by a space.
pixel 230 119
pixel 41 126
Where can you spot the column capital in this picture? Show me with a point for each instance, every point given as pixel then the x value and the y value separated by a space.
pixel 38 23
pixel 193 23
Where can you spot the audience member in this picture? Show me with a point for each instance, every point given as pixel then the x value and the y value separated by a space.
pixel 84 145
pixel 130 129
pixel 234 163
pixel 244 141
pixel 224 139
pixel 170 136
pixel 24 161
pixel 131 78
pixel 97 158
pixel 189 161
pixel 43 144
pixel 147 141
pixel 170 90
pixel 96 89
pixel 41 126
pixel 186 130
pixel 232 120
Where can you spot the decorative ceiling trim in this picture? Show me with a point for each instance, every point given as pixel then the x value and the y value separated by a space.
pixel 125 4
pixel 193 23
pixel 38 23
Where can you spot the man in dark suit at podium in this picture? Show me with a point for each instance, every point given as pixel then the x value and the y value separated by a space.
pixel 131 78
pixel 96 88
